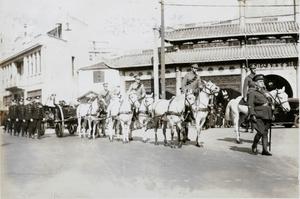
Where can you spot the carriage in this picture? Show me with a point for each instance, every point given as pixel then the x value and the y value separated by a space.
pixel 60 116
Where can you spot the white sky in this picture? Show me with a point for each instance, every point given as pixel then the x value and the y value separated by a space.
pixel 125 22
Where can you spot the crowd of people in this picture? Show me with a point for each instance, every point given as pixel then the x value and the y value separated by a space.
pixel 25 120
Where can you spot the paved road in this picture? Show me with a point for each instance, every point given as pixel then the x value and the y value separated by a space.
pixel 71 167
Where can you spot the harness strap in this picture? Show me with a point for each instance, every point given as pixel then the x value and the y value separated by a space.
pixel 202 109
pixel 173 113
pixel 125 112
pixel 192 80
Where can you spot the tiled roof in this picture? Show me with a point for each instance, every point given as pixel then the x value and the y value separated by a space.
pixel 233 53
pixel 206 32
pixel 100 65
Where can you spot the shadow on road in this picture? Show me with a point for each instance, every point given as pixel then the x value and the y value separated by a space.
pixel 241 149
pixel 227 139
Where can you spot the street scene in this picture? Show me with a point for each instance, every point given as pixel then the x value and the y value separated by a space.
pixel 149 99
pixel 70 167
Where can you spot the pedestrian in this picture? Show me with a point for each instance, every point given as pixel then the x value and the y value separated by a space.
pixel 212 118
pixel 220 115
pixel 38 116
pixel 28 124
pixel 12 117
pixel 21 117
pixel 260 111
pixel 191 81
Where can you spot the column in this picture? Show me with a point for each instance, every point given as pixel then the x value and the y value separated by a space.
pixel 122 82
pixel 39 62
pixel 243 76
pixel 25 66
pixel 178 80
pixel 34 63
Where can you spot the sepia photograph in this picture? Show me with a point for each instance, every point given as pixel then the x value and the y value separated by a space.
pixel 149 99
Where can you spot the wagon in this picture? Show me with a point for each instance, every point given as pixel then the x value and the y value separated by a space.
pixel 64 117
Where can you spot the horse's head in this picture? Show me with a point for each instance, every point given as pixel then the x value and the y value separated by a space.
pixel 148 102
pixel 190 99
pixel 280 97
pixel 133 100
pixel 210 88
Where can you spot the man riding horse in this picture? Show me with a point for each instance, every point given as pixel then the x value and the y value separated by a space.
pixel 191 81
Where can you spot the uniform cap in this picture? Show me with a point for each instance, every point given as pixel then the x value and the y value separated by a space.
pixel 252 66
pixel 194 65
pixel 105 84
pixel 28 98
pixel 37 97
pixel 21 100
pixel 14 100
pixel 258 77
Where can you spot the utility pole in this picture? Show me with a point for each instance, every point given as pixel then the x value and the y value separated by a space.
pixel 155 64
pixel 162 51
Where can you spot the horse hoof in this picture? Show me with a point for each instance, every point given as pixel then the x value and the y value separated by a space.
pixel 238 141
pixel 199 145
pixel 144 141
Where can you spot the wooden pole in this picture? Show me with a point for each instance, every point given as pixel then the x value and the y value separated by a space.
pixel 162 51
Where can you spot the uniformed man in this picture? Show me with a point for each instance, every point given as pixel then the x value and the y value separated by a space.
pixel 139 89
pixel 191 81
pixel 38 116
pixel 106 95
pixel 261 114
pixel 13 117
pixel 28 124
pixel 21 117
pixel 249 84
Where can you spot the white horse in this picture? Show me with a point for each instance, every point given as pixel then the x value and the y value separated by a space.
pixel 201 111
pixel 171 111
pixel 90 113
pixel 120 111
pixel 237 113
pixel 144 114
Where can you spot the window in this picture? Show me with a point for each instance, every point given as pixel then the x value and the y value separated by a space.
pixel 98 76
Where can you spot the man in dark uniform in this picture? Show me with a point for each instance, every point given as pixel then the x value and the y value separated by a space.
pixel 106 95
pixel 28 119
pixel 249 84
pixel 191 81
pixel 38 116
pixel 139 89
pixel 13 117
pixel 21 117
pixel 261 114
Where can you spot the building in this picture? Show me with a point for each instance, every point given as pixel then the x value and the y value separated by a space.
pixel 45 64
pixel 224 52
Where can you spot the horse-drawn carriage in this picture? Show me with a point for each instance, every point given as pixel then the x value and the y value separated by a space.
pixel 60 116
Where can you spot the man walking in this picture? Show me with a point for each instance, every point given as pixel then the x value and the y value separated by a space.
pixel 38 116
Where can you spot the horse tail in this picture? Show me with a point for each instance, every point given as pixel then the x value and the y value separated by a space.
pixel 228 111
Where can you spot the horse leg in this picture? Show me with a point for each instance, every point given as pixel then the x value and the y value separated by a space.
pixel 164 128
pixel 199 124
pixel 155 125
pixel 179 134
pixel 79 126
pixel 110 129
pixel 241 119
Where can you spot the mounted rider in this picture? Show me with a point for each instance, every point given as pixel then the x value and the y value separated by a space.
pixel 139 89
pixel 107 96
pixel 249 84
pixel 191 81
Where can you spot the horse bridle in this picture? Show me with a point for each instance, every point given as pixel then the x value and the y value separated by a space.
pixel 146 105
pixel 186 99
pixel 279 101
pixel 207 88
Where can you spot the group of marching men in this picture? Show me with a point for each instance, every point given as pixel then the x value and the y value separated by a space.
pixel 25 120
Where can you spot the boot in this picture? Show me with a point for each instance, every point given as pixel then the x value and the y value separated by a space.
pixel 187 133
pixel 255 142
pixel 265 147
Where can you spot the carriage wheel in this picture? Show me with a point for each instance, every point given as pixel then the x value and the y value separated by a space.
pixel 43 128
pixel 71 128
pixel 58 130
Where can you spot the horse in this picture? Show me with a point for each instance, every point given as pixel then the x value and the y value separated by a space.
pixel 120 111
pixel 237 113
pixel 202 102
pixel 89 112
pixel 144 114
pixel 171 111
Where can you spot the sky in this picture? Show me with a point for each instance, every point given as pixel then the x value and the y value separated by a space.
pixel 126 24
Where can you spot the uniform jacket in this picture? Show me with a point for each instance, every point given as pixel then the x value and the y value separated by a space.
pixel 106 95
pixel 249 85
pixel 21 111
pixel 190 81
pixel 259 105
pixel 13 112
pixel 28 111
pixel 38 111
pixel 138 88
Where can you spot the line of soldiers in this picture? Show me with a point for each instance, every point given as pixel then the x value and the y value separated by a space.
pixel 26 119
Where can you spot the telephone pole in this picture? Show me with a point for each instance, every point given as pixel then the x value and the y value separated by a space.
pixel 162 51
